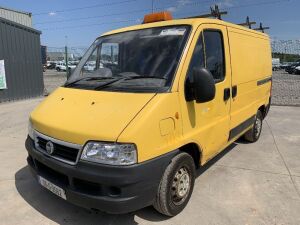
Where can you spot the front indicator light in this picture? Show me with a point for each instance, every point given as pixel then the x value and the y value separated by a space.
pixel 110 153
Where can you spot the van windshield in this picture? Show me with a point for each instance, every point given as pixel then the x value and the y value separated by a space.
pixel 134 61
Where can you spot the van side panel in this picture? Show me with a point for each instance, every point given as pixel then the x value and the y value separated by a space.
pixel 251 63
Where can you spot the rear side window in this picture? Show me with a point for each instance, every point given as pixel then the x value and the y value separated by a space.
pixel 214 52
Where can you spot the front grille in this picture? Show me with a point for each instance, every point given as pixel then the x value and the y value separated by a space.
pixel 65 152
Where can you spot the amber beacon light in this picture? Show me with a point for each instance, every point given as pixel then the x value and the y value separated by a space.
pixel 156 17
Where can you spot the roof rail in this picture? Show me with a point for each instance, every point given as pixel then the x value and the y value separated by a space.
pixel 261 28
pixel 248 23
pixel 214 12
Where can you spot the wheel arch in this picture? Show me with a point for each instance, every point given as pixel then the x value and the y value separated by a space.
pixel 194 151
pixel 264 110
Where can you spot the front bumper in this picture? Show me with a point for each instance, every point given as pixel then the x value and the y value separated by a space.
pixel 112 189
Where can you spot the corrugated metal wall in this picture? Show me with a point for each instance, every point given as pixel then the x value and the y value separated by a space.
pixel 16 16
pixel 21 50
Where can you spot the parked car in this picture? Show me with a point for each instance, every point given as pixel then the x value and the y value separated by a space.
pixel 90 66
pixel 297 70
pixel 275 64
pixel 61 66
pixel 284 65
pixel 131 134
pixel 276 67
pixel 291 69
pixel 51 65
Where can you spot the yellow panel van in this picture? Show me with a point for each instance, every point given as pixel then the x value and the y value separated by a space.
pixel 146 106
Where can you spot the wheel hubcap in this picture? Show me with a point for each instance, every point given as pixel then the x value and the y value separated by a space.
pixel 180 186
pixel 257 128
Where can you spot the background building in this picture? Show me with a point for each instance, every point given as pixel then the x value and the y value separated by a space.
pixel 19 17
pixel 21 73
pixel 59 56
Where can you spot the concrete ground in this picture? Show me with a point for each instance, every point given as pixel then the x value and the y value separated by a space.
pixel 53 79
pixel 246 184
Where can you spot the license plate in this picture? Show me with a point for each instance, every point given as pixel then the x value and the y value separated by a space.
pixel 52 187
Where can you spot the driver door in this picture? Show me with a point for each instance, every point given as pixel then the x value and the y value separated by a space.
pixel 208 123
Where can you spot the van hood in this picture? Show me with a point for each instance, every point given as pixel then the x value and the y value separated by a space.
pixel 76 116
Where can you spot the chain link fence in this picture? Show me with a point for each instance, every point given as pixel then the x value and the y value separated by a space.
pixel 286 89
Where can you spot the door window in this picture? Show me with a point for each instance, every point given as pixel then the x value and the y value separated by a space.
pixel 208 53
pixel 214 54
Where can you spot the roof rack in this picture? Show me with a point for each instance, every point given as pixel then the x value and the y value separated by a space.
pixel 248 23
pixel 261 28
pixel 214 12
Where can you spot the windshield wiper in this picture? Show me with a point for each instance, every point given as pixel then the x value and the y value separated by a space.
pixel 108 83
pixel 126 78
pixel 133 76
pixel 112 80
pixel 144 77
pixel 87 78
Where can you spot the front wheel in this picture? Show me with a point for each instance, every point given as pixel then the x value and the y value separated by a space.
pixel 253 134
pixel 176 185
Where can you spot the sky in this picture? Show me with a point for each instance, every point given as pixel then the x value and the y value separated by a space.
pixel 78 22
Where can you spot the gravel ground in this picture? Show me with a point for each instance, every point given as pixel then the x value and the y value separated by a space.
pixel 286 87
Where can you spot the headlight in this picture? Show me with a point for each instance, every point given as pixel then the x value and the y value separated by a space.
pixel 30 130
pixel 110 153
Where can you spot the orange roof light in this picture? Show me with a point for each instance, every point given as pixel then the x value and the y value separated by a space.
pixel 156 17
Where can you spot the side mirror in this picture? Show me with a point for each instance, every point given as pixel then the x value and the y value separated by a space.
pixel 204 88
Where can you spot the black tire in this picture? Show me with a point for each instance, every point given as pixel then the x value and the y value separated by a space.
pixel 175 188
pixel 253 134
pixel 58 69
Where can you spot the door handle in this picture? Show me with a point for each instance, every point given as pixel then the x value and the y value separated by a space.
pixel 234 91
pixel 226 94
